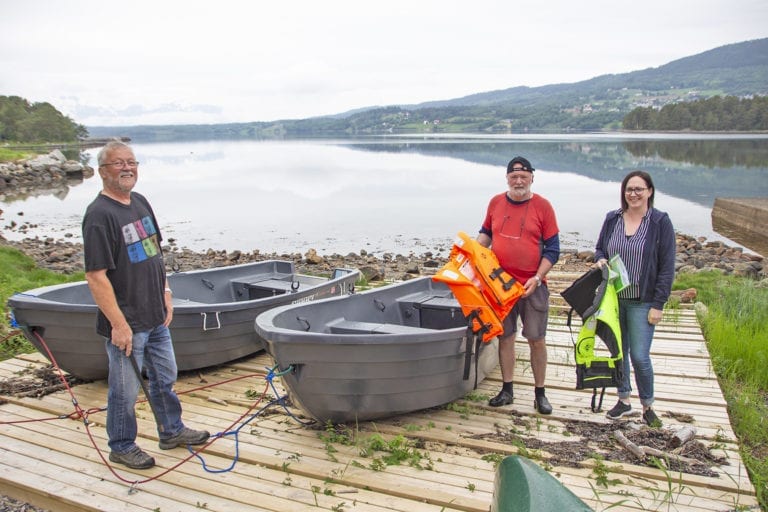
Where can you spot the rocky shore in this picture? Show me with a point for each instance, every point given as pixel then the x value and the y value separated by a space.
pixel 693 255
pixel 42 173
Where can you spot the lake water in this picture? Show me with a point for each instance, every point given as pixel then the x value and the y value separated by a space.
pixel 402 194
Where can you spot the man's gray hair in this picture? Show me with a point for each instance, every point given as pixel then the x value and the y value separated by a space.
pixel 107 149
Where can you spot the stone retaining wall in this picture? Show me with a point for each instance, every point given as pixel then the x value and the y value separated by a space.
pixel 744 220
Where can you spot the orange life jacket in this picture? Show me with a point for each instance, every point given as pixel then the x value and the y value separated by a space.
pixel 484 290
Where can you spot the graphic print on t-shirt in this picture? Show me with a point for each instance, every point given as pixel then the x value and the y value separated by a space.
pixel 141 239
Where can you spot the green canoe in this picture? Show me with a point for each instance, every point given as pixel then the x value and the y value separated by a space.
pixel 523 486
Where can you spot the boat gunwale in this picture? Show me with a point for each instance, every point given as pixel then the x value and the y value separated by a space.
pixel 268 331
pixel 34 299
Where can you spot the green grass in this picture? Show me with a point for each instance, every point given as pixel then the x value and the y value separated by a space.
pixel 11 155
pixel 736 326
pixel 18 273
pixel 736 330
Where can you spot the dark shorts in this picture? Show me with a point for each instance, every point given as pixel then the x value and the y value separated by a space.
pixel 534 313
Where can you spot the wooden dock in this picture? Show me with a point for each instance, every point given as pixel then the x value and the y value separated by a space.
pixel 273 460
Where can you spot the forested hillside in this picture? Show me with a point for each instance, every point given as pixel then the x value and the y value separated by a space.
pixel 715 114
pixel 22 121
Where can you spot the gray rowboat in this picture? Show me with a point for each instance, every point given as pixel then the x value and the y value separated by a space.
pixel 379 353
pixel 213 315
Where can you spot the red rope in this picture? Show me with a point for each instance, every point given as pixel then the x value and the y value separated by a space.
pixel 79 413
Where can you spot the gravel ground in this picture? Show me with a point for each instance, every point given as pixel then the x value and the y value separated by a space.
pixel 8 504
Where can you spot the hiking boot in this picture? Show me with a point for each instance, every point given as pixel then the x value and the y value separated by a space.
pixel 619 410
pixel 185 437
pixel 135 458
pixel 650 418
pixel 503 398
pixel 541 404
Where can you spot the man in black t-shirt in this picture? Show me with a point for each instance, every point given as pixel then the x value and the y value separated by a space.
pixel 126 275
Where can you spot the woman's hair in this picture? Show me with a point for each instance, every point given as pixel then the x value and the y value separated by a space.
pixel 648 183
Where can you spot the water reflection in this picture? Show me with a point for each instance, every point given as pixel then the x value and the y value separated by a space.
pixel 708 153
pixel 695 170
pixel 402 194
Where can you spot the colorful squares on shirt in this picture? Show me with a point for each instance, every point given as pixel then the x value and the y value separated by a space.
pixel 141 240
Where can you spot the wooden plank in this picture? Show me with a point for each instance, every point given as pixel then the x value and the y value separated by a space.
pixel 50 494
pixel 309 497
pixel 88 473
pixel 79 490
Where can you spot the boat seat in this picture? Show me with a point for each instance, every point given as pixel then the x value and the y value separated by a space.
pixel 276 284
pixel 262 288
pixel 177 301
pixel 432 310
pixel 354 327
pixel 448 303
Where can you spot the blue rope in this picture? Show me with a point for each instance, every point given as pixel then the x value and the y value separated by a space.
pixel 13 321
pixel 270 376
pixel 236 432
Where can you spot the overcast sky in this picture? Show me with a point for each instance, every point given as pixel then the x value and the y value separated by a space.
pixel 179 62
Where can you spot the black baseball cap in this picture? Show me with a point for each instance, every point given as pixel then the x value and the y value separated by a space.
pixel 522 161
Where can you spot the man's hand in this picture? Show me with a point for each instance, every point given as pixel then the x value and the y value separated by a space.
pixel 122 338
pixel 531 285
pixel 168 307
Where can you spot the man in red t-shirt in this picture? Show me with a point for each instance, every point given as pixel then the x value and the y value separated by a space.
pixel 521 229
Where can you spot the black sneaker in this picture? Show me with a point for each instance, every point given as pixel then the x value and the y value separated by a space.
pixel 619 410
pixel 541 404
pixel 650 418
pixel 503 398
pixel 135 458
pixel 185 437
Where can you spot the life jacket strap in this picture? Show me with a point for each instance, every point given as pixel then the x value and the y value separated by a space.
pixel 497 274
pixel 599 406
pixel 471 346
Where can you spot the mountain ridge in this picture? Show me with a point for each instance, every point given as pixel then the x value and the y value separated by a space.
pixel 595 104
pixel 723 57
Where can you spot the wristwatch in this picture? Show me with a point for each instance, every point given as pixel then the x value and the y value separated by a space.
pixel 538 280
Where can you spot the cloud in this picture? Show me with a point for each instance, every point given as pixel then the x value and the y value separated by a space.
pixel 141 113
pixel 239 61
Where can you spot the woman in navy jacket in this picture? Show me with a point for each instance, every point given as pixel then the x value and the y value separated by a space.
pixel 645 240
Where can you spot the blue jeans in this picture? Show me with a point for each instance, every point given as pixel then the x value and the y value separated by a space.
pixel 154 350
pixel 636 338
